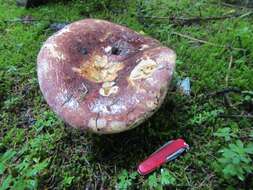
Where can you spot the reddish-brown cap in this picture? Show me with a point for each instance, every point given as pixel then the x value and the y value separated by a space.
pixel 104 77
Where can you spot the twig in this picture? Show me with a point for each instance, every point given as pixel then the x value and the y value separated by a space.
pixel 229 90
pixel 235 6
pixel 32 20
pixel 224 92
pixel 228 71
pixel 198 19
pixel 246 14
pixel 24 20
pixel 220 92
pixel 206 42
pixel 205 180
pixel 227 100
pixel 236 116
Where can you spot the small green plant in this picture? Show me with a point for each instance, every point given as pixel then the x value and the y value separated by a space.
pixel 21 168
pixel 205 116
pixel 251 134
pixel 20 176
pixel 126 180
pixel 46 120
pixel 235 160
pixel 67 180
pixel 159 181
pixel 13 102
pixel 225 132
pixel 28 128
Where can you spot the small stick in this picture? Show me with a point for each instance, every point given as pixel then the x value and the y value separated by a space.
pixel 237 116
pixel 206 42
pixel 235 6
pixel 227 99
pixel 189 21
pixel 229 68
pixel 224 91
pixel 246 14
pixel 32 20
pixel 26 20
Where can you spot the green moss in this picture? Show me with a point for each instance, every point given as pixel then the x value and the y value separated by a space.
pixel 66 157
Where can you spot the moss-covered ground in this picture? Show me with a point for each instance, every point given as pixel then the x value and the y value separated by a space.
pixel 38 151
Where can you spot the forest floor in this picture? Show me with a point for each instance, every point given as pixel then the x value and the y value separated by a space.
pixel 38 151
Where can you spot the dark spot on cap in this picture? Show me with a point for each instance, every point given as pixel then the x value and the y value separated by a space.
pixel 84 51
pixel 116 51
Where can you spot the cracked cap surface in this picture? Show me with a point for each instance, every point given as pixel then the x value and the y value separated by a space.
pixel 103 77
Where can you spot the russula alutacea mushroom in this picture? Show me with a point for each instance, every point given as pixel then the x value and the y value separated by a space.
pixel 104 77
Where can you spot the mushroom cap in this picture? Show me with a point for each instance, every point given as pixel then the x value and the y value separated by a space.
pixel 103 77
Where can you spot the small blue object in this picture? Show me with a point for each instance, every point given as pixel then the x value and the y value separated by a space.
pixel 185 86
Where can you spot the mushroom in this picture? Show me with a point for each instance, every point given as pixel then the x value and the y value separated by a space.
pixel 103 77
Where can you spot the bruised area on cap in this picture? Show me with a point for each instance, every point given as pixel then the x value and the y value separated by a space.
pixel 103 77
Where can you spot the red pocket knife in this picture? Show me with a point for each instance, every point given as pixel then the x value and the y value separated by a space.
pixel 167 152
